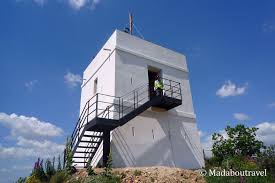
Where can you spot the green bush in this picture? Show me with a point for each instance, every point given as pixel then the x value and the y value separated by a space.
pixel 106 179
pixel 212 162
pixel 267 160
pixel 59 177
pixel 33 179
pixel 49 168
pixel 69 158
pixel 239 163
pixel 21 180
pixel 38 171
pixel 108 168
pixel 137 173
pixel 90 169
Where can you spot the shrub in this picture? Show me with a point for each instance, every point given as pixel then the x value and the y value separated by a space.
pixel 59 163
pixel 123 175
pixel 69 158
pixel 21 180
pixel 239 163
pixel 49 167
pixel 212 162
pixel 108 168
pixel 59 177
pixel 267 160
pixel 90 169
pixel 102 178
pixel 137 173
pixel 38 171
pixel 33 179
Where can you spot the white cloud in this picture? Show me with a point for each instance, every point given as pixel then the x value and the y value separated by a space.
pixel 230 89
pixel 268 27
pixel 32 148
pixel 266 132
pixel 241 116
pixel 78 4
pixel 72 80
pixel 31 141
pixel 31 135
pixel 29 127
pixel 75 4
pixel 30 84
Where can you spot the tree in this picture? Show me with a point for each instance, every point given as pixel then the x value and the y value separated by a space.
pixel 49 168
pixel 69 158
pixel 267 159
pixel 59 163
pixel 21 180
pixel 239 140
pixel 108 168
pixel 38 171
pixel 53 162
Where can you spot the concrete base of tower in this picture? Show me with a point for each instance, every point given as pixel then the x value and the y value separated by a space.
pixel 157 139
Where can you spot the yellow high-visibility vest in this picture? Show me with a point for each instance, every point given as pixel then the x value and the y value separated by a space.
pixel 158 85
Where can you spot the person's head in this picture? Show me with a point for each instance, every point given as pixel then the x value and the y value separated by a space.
pixel 157 77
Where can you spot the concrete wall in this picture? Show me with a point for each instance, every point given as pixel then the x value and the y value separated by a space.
pixel 103 68
pixel 155 138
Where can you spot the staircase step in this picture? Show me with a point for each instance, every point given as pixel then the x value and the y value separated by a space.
pixel 84 152
pixel 92 136
pixel 81 157
pixel 86 146
pixel 87 141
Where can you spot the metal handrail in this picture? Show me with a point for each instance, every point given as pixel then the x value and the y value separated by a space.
pixel 133 96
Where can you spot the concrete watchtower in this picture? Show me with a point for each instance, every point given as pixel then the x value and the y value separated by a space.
pixel 119 109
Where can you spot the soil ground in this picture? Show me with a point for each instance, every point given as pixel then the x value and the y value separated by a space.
pixel 152 174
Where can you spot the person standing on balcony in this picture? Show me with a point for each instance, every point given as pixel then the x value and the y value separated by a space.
pixel 158 86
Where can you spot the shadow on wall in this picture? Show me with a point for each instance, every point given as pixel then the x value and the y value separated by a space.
pixel 172 150
pixel 121 152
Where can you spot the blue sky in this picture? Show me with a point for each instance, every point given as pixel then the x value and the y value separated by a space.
pixel 46 44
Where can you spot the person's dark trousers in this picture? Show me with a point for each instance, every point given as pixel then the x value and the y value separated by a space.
pixel 159 92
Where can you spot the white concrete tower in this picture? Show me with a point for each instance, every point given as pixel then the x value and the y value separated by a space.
pixel 118 96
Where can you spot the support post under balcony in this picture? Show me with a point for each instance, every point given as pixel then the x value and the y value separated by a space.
pixel 106 146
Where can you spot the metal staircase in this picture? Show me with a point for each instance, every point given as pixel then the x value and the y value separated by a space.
pixel 103 113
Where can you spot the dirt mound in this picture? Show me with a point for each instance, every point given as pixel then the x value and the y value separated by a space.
pixel 152 174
